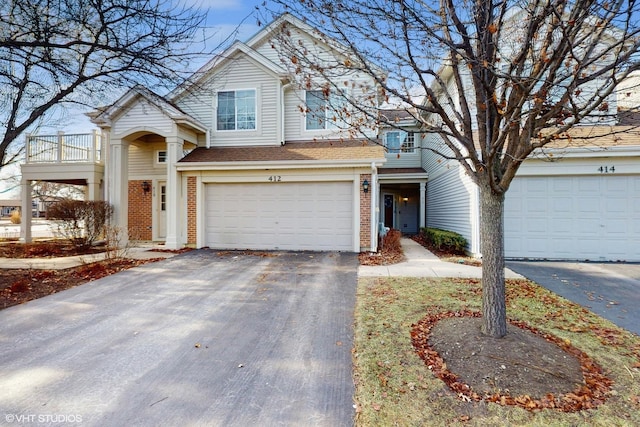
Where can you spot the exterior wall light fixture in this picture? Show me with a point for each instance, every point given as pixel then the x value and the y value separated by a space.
pixel 146 186
pixel 365 186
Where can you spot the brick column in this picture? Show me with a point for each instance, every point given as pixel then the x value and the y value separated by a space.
pixel 140 212
pixel 365 213
pixel 192 209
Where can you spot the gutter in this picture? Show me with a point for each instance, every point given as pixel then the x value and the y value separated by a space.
pixel 282 164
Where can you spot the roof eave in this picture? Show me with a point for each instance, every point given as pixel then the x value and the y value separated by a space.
pixel 279 164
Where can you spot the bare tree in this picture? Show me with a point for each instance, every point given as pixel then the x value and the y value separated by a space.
pixel 60 52
pixel 489 82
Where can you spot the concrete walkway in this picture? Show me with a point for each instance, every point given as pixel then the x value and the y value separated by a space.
pixel 422 263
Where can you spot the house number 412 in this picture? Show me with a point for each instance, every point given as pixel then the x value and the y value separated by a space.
pixel 607 169
pixel 275 178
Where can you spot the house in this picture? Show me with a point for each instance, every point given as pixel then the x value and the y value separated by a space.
pixel 241 157
pixel 8 206
pixel 246 157
pixel 578 198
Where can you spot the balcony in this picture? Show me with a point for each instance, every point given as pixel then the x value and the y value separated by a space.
pixel 65 158
pixel 64 148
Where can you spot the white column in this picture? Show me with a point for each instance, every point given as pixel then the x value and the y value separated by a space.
pixel 174 153
pixel 118 182
pixel 25 224
pixel 423 204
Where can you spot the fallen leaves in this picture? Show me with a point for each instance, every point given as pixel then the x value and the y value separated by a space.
pixel 593 392
pixel 24 285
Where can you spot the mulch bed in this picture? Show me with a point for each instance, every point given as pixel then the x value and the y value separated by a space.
pixel 528 368
pixel 20 285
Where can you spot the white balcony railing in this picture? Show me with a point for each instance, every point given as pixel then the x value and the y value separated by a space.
pixel 64 148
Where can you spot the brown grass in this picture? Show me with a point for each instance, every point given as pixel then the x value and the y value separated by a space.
pixel 395 388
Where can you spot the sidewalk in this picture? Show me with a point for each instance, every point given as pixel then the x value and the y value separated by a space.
pixel 139 252
pixel 422 263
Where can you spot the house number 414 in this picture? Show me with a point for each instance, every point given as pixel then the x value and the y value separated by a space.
pixel 607 169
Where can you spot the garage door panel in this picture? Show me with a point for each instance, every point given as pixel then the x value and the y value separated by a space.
pixel 290 216
pixel 592 217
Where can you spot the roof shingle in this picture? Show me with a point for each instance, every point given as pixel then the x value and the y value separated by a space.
pixel 314 150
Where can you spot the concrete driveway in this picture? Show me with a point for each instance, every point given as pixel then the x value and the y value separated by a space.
pixel 610 290
pixel 211 339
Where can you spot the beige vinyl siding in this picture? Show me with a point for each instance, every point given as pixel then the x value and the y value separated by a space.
pixel 241 73
pixel 294 118
pixel 314 47
pixel 142 114
pixel 142 161
pixel 200 105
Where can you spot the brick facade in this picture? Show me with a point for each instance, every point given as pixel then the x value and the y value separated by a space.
pixel 140 212
pixel 192 207
pixel 365 214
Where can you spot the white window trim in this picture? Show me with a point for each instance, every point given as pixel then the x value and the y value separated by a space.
pixel 157 157
pixel 215 110
pixel 330 125
pixel 401 150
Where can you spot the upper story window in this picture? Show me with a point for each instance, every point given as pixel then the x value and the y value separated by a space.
pixel 321 110
pixel 236 110
pixel 398 141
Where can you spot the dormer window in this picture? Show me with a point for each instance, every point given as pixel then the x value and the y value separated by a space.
pixel 236 110
pixel 398 141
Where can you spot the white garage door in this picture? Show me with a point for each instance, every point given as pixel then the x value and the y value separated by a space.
pixel 288 216
pixel 584 218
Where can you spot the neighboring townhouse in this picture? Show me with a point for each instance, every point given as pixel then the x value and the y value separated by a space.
pixel 577 198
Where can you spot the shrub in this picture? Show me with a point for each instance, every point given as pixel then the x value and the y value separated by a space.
pixel 391 241
pixel 445 240
pixel 81 222
pixel 15 217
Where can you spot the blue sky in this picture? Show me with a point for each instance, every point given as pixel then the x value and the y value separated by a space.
pixel 237 18
pixel 224 17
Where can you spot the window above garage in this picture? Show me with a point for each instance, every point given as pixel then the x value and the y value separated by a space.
pixel 236 110
pixel 398 141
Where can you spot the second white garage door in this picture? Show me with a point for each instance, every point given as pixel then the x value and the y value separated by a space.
pixel 593 218
pixel 280 216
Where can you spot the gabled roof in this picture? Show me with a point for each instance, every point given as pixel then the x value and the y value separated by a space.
pixel 105 115
pixel 224 58
pixel 316 34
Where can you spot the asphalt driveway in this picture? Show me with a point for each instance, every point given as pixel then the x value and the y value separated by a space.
pixel 204 338
pixel 610 290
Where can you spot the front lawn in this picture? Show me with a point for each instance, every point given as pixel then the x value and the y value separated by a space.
pixel 394 386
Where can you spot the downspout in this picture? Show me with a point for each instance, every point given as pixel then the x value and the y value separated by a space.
pixel 283 88
pixel 208 137
pixel 374 208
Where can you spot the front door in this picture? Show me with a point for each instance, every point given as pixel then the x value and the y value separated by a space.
pixel 388 210
pixel 162 209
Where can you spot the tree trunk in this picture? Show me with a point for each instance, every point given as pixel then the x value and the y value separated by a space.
pixel 494 311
